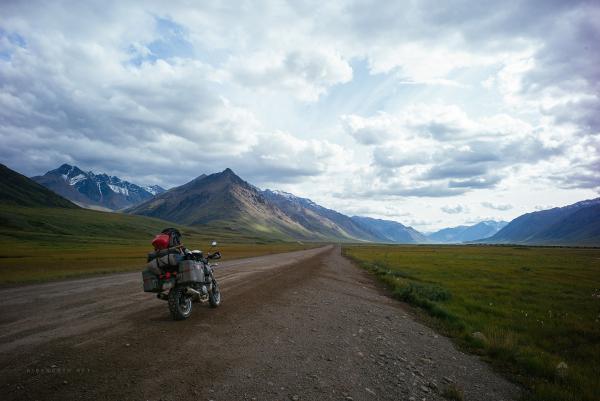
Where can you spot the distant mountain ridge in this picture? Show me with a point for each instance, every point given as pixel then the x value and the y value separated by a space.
pixel 100 190
pixel 16 189
pixel 391 231
pixel 578 223
pixel 226 200
pixel 459 234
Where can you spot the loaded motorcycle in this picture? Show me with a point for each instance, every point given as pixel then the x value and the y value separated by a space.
pixel 182 277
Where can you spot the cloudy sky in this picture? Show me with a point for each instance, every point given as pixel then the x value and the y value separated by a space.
pixel 432 115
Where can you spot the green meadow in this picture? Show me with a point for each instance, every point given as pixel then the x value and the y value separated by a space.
pixel 538 308
pixel 41 244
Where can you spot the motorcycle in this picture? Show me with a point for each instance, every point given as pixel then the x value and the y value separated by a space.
pixel 192 282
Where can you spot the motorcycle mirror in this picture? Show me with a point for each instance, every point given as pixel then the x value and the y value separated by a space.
pixel 214 243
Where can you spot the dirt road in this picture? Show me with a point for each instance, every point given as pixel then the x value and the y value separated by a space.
pixel 306 325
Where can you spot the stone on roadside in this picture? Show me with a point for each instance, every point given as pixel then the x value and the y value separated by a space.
pixel 479 336
pixel 561 369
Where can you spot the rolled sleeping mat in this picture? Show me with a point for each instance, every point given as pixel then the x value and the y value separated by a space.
pixel 159 264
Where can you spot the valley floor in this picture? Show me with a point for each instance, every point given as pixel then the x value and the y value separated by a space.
pixel 306 325
pixel 531 311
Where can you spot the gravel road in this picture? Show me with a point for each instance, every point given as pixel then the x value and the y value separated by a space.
pixel 305 325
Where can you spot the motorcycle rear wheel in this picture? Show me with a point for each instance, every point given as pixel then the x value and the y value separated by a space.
pixel 180 304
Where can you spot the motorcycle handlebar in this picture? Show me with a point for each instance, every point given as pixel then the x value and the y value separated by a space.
pixel 215 255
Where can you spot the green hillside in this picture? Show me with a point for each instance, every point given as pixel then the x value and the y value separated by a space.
pixel 16 189
pixel 576 224
pixel 39 244
pixel 45 237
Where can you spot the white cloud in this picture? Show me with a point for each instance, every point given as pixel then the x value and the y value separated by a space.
pixel 304 74
pixel 494 206
pixel 439 147
pixel 454 209
pixel 375 103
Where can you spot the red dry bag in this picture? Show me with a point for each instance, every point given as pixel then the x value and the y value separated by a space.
pixel 161 241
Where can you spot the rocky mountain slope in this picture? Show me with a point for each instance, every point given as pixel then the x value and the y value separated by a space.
pixel 224 199
pixel 95 190
pixel 316 218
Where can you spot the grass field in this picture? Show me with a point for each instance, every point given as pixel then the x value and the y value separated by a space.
pixel 536 307
pixel 39 244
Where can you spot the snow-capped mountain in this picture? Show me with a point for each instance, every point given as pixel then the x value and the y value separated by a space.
pixel 95 190
pixel 154 189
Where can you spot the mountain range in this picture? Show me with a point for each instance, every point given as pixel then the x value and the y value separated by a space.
pixel 391 231
pixel 578 223
pixel 459 234
pixel 226 200
pixel 223 200
pixel 95 190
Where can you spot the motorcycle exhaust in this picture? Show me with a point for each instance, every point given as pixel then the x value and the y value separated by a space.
pixel 194 293
pixel 197 295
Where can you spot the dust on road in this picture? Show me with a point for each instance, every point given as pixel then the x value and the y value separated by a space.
pixel 305 325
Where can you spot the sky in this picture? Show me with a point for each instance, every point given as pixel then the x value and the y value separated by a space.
pixel 433 114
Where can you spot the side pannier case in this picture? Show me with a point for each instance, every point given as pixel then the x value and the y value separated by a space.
pixel 190 271
pixel 151 281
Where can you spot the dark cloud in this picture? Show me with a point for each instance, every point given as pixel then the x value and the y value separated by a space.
pixel 455 170
pixel 394 190
pixel 567 64
pixel 584 179
pixel 482 21
pixel 476 182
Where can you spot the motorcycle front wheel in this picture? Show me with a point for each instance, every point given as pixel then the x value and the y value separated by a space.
pixel 214 297
pixel 180 304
